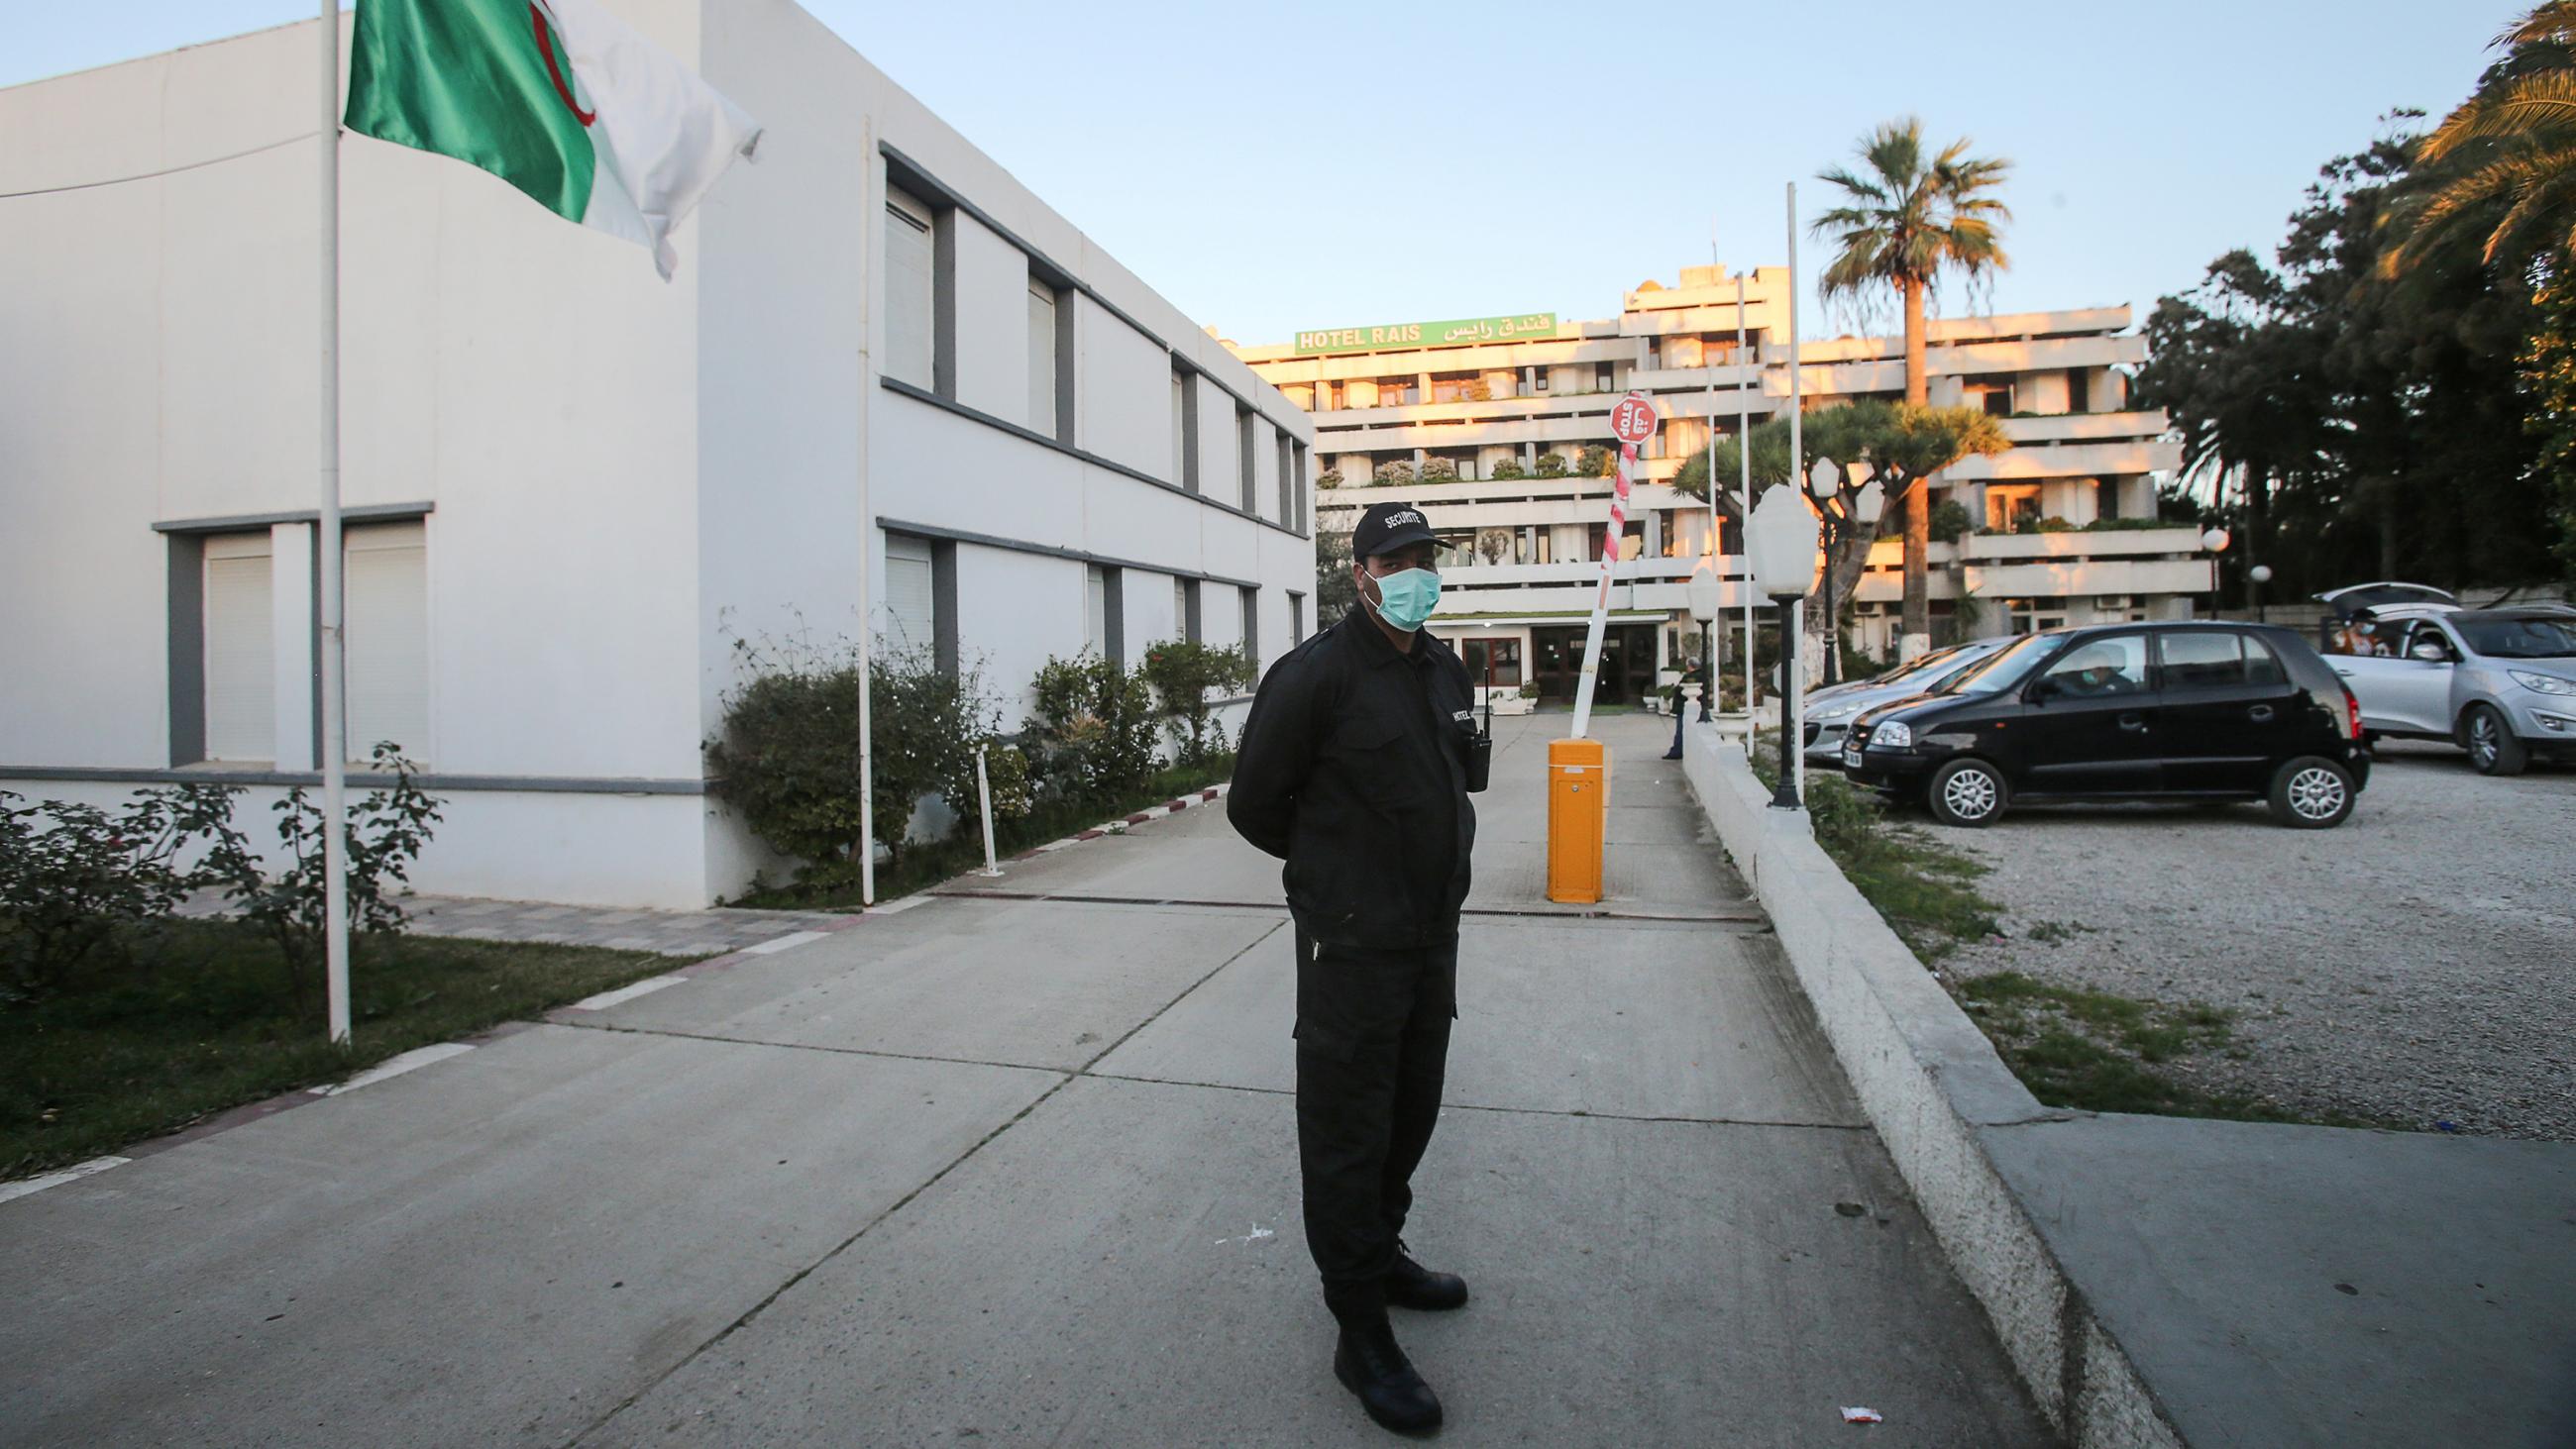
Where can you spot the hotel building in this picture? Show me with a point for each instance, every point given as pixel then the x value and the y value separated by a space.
pixel 1484 422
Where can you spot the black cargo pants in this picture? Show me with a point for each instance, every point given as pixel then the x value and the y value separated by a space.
pixel 1372 1045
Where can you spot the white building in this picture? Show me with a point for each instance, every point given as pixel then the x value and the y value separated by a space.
pixel 1466 415
pixel 571 486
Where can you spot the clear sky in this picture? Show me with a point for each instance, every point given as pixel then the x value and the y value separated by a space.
pixel 1271 168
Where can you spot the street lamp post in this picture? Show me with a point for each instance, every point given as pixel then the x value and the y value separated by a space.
pixel 2214 540
pixel 1705 602
pixel 1781 537
pixel 2260 574
pixel 1841 522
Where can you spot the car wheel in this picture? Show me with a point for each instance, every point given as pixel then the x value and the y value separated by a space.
pixel 2492 747
pixel 1967 792
pixel 2311 793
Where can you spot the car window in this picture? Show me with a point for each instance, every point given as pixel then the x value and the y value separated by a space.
pixel 2217 659
pixel 2528 638
pixel 2100 668
pixel 2196 660
pixel 2002 669
pixel 2363 638
pixel 2427 634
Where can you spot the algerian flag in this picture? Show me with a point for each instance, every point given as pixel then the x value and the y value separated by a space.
pixel 557 97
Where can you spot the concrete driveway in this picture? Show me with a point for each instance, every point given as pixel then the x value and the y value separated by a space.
pixel 1018 1167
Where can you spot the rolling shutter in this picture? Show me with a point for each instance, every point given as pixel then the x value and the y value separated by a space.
pixel 908 291
pixel 385 585
pixel 241 650
pixel 910 621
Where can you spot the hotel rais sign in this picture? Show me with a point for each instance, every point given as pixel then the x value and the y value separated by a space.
pixel 1458 332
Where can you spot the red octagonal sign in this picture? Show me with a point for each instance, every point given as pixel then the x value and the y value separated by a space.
pixel 1633 420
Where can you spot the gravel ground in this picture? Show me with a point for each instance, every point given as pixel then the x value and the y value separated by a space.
pixel 2416 965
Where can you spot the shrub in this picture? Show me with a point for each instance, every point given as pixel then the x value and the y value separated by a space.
pixel 1439 470
pixel 1183 674
pixel 1398 471
pixel 1092 737
pixel 1949 520
pixel 1508 469
pixel 1551 465
pixel 386 830
pixel 1596 461
pixel 788 758
pixel 67 888
pixel 1329 478
pixel 2123 525
pixel 2053 524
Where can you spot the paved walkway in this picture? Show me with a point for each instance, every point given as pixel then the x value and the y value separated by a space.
pixel 1017 1167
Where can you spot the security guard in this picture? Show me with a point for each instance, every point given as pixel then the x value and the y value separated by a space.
pixel 1355 768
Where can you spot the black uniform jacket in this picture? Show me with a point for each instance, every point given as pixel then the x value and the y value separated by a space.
pixel 1353 769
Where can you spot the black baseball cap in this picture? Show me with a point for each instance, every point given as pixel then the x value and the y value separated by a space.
pixel 1390 525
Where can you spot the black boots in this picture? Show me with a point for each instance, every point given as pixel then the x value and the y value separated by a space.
pixel 1410 1285
pixel 1369 1364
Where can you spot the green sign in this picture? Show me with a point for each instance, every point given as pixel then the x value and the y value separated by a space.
pixel 1458 333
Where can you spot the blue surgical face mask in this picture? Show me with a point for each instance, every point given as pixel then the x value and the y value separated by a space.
pixel 1405 600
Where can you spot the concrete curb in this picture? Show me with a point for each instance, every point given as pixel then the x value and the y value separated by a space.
pixel 1931 1084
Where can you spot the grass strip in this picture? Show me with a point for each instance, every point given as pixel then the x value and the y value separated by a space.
pixel 2073 1046
pixel 199 1018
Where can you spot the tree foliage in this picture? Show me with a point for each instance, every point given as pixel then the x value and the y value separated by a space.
pixel 1910 215
pixel 2506 158
pixel 2358 420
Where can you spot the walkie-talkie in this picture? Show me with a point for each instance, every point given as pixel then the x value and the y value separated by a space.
pixel 1480 747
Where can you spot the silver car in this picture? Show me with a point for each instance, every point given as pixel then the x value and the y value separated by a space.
pixel 2500 683
pixel 1830 711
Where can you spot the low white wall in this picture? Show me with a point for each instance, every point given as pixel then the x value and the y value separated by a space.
pixel 1930 1082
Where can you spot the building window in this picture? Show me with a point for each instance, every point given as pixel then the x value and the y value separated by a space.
pixel 1044 345
pixel 1296 487
pixel 384 587
pixel 1095 609
pixel 1333 397
pixel 1286 463
pixel 1995 398
pixel 1185 609
pixel 240 649
pixel 911 593
pixel 910 291
pixel 1185 431
pixel 1251 599
pixel 2079 390
pixel 2012 507
pixel 1244 437
pixel 1296 619
pixel 1494 662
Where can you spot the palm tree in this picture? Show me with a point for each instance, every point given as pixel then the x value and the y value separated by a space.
pixel 1909 216
pixel 2507 156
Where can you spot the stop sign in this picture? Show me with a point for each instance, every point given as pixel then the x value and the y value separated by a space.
pixel 1633 420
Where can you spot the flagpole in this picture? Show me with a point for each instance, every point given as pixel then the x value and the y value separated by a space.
pixel 871 234
pixel 1744 461
pixel 335 843
pixel 1793 682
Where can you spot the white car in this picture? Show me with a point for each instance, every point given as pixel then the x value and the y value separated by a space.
pixel 2500 683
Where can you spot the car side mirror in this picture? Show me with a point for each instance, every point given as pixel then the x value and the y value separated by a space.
pixel 2430 653
pixel 2042 690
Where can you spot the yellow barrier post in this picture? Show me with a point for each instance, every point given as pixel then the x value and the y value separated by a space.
pixel 1578 819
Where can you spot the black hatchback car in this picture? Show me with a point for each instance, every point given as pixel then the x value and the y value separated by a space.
pixel 2173 710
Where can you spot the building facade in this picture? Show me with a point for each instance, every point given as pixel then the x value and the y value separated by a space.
pixel 890 391
pixel 1485 421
